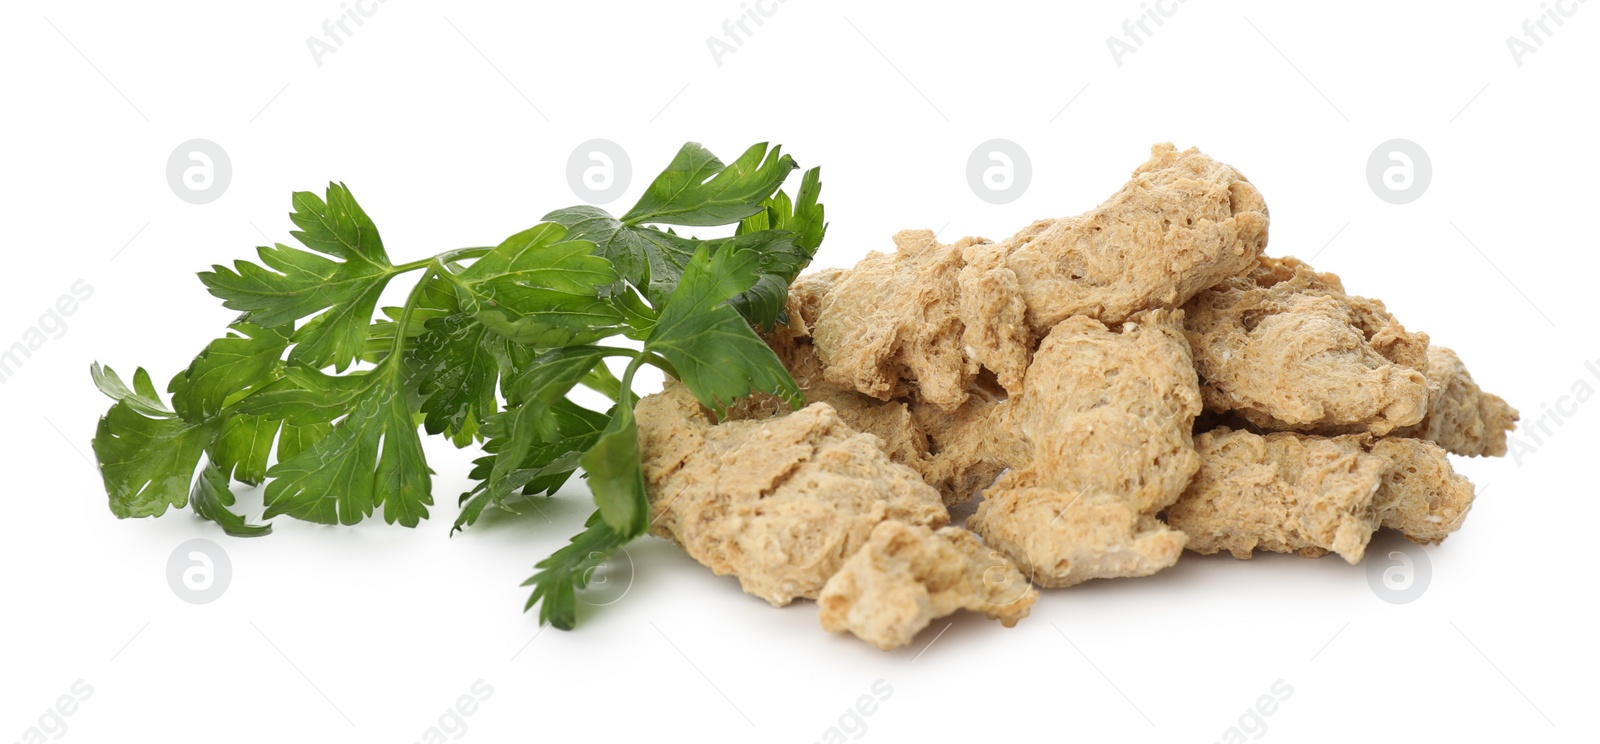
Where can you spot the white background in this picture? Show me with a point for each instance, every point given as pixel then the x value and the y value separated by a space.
pixel 453 122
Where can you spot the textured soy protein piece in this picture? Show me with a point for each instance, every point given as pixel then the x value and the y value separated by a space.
pixel 955 451
pixel 1106 415
pixel 1461 418
pixel 907 576
pixel 1287 492
pixel 1063 374
pixel 922 322
pixel 1063 537
pixel 1421 495
pixel 1283 492
pixel 893 322
pixel 1182 223
pixel 779 503
pixel 1285 348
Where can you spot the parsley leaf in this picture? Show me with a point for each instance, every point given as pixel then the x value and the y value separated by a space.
pixel 696 189
pixel 296 283
pixel 243 447
pixel 490 344
pixel 458 367
pixel 559 577
pixel 540 290
pixel 803 224
pixel 645 257
pixel 531 394
pixel 546 464
pixel 716 354
pixel 804 216
pixel 778 259
pixel 211 499
pixel 246 357
pixel 147 453
pixel 616 475
pixel 142 397
pixel 371 457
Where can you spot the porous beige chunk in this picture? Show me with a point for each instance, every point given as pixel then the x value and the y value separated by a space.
pixel 969 447
pixel 892 322
pixel 925 320
pixel 994 315
pixel 1063 537
pixel 779 503
pixel 1462 418
pixel 906 576
pixel 1283 492
pixel 1288 492
pixel 1421 495
pixel 958 452
pixel 1287 349
pixel 1106 415
pixel 1110 410
pixel 891 421
pixel 1182 223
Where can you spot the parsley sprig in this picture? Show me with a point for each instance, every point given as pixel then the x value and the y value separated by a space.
pixel 319 394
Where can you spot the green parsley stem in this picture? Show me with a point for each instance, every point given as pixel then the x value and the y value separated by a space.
pixel 404 321
pixel 602 381
pixel 661 363
pixel 446 257
pixel 626 395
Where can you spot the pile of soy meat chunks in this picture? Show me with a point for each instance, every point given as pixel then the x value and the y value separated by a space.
pixel 1113 388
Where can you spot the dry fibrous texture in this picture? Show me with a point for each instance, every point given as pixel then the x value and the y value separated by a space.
pixel 959 452
pixel 1110 410
pixel 1182 223
pixel 1106 417
pixel 906 576
pixel 1462 418
pixel 1285 348
pixel 1118 386
pixel 994 315
pixel 779 503
pixel 1421 495
pixel 968 447
pixel 1283 492
pixel 892 421
pixel 1288 492
pixel 893 322
pixel 1063 537
pixel 925 320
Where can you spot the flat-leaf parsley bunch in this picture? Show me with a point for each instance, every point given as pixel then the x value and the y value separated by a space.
pixel 317 393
